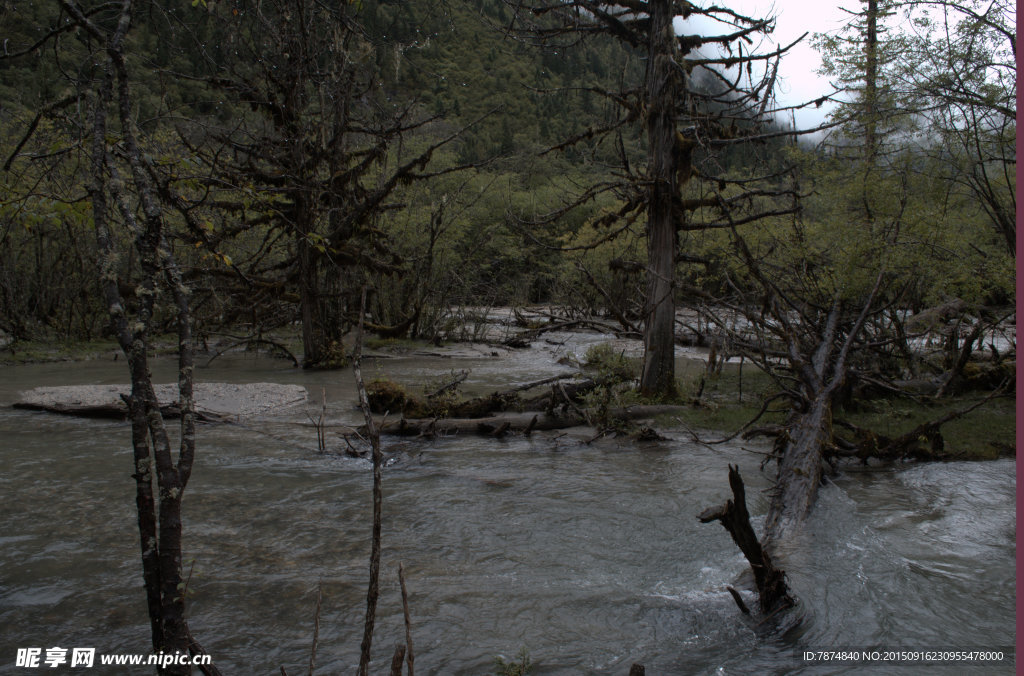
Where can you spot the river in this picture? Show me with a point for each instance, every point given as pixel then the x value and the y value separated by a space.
pixel 589 557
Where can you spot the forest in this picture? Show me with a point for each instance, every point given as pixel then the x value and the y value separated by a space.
pixel 315 180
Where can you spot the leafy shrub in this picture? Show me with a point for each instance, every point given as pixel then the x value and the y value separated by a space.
pixel 519 666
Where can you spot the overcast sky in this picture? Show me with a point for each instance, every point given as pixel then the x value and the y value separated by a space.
pixel 798 81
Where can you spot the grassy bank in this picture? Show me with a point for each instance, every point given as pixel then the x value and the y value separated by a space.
pixel 729 400
pixel 41 352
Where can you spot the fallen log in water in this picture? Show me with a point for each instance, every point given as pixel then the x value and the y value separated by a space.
pixel 523 339
pixel 505 423
pixel 389 397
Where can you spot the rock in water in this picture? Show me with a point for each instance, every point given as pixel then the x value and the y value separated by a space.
pixel 214 401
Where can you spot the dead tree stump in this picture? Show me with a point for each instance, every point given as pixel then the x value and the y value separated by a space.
pixel 771 581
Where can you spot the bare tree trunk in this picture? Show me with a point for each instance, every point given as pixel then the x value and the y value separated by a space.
pixel 871 83
pixel 159 512
pixel 145 501
pixel 312 353
pixel 658 376
pixel 308 259
pixel 373 588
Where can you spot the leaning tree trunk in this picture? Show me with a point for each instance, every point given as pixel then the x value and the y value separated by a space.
pixel 658 375
pixel 820 368
pixel 800 468
pixel 145 500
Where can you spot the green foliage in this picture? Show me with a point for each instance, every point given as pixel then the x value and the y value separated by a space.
pixel 48 284
pixel 962 440
pixel 934 91
pixel 611 365
pixel 928 241
pixel 864 69
pixel 334 356
pixel 385 395
pixel 605 267
pixel 600 403
pixel 616 376
pixel 524 98
pixel 43 351
pixel 442 394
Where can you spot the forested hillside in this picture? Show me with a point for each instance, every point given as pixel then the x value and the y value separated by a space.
pixel 451 71
pixel 447 70
pixel 291 158
pixel 452 156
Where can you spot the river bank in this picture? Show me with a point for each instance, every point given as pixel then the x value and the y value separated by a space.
pixel 720 402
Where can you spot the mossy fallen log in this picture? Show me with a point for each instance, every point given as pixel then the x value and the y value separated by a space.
pixel 387 396
pixel 513 423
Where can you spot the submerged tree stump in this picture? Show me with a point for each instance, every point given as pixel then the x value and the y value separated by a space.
pixel 772 590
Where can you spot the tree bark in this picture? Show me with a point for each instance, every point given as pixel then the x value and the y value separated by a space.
pixel 312 349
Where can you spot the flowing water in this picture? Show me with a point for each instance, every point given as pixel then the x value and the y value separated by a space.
pixel 588 556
